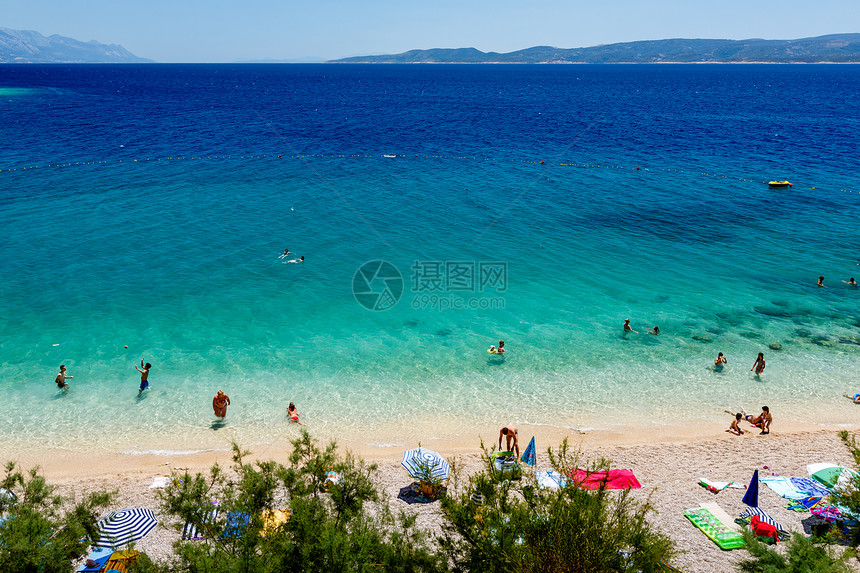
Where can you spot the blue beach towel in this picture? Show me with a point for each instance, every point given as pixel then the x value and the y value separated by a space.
pixel 810 487
pixel 783 487
pixel 100 555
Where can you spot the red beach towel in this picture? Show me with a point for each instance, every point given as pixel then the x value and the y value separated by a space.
pixel 613 479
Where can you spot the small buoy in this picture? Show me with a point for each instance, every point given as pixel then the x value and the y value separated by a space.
pixel 278 155
pixel 55 345
pixel 541 162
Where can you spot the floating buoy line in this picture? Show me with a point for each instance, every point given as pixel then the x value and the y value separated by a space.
pixel 388 156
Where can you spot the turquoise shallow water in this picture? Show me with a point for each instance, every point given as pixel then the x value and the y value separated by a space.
pixel 175 254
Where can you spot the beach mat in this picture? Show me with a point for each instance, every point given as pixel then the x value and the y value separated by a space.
pixel 717 526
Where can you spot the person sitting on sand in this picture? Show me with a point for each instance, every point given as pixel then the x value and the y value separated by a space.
pixel 762 421
pixel 627 327
pixel 294 413
pixel 655 330
pixel 144 375
pixel 855 398
pixel 821 281
pixel 851 282
pixel 220 403
pixel 510 433
pixel 734 428
pixel 758 366
pixel 720 361
pixel 62 377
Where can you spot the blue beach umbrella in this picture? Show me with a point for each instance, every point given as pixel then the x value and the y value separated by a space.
pixel 124 526
pixel 528 456
pixel 417 460
pixel 751 496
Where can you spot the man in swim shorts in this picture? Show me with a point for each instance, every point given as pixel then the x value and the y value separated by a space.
pixel 144 375
pixel 855 398
pixel 62 377
pixel 220 403
pixel 511 434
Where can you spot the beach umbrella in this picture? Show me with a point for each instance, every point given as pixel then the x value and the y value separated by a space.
pixel 529 455
pixel 124 526
pixel 420 460
pixel 751 496
pixel 831 475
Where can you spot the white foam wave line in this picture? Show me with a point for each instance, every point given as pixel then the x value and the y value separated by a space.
pixel 170 452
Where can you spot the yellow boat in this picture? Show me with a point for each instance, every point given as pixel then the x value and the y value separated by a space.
pixel 778 184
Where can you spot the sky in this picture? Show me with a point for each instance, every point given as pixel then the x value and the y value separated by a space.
pixel 241 30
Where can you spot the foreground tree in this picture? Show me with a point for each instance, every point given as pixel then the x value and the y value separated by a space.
pixel 528 529
pixel 42 531
pixel 800 555
pixel 329 528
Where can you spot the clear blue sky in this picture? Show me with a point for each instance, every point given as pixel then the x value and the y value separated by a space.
pixel 233 30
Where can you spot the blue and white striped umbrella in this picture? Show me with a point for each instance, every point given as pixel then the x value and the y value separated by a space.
pixel 121 527
pixel 415 460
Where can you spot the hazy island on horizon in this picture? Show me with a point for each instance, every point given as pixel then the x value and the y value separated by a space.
pixel 834 48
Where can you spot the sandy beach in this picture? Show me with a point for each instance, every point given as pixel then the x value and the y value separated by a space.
pixel 669 470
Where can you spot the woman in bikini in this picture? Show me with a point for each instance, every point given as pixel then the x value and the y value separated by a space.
pixel 294 413
pixel 220 403
pixel 758 366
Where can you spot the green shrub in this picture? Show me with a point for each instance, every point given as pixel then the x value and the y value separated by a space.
pixel 800 555
pixel 43 531
pixel 527 529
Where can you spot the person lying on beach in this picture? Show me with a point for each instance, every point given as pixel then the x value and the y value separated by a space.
pixel 220 403
pixel 144 375
pixel 627 327
pixel 62 377
pixel 855 398
pixel 758 365
pixel 734 428
pixel 294 413
pixel 510 433
pixel 655 330
pixel 821 281
pixel 719 362
pixel 851 282
pixel 762 421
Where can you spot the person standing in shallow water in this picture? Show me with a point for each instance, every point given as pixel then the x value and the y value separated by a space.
pixel 144 375
pixel 62 377
pixel 719 362
pixel 220 403
pixel 758 366
pixel 627 327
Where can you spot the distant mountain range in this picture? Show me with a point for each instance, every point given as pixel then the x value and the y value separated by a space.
pixel 842 48
pixel 28 47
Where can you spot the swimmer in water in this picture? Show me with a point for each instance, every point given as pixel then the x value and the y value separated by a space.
pixel 627 327
pixel 851 282
pixel 62 377
pixel 719 362
pixel 758 365
pixel 286 252
pixel 655 330
pixel 855 398
pixel 492 349
pixel 501 348
pixel 144 376
pixel 294 413
pixel 299 260
pixel 821 281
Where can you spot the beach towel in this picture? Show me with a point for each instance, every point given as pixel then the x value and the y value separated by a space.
pixel 717 525
pixel 810 487
pixel 783 487
pixel 612 479
pixel 804 504
pixel 751 511
pixel 121 560
pixel 274 518
pixel 237 522
pixel 159 482
pixel 714 486
pixel 98 557
pixel 190 530
pixel 550 479
pixel 827 512
pixel 762 529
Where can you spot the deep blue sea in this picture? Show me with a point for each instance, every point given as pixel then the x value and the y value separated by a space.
pixel 440 209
